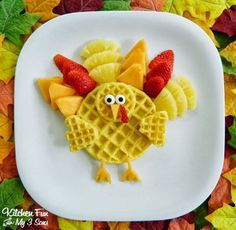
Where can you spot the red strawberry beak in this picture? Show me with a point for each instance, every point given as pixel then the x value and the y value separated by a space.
pixel 122 112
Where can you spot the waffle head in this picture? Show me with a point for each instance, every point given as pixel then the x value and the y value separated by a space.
pixel 115 102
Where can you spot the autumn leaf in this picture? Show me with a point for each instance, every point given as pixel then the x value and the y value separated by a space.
pixel 180 224
pixel 200 9
pixel 66 224
pixel 8 167
pixel 119 225
pixel 70 6
pixel 230 97
pixel 5 148
pixel 42 8
pixel 223 218
pixel 220 195
pixel 5 127
pixel 8 58
pixel 201 212
pixel 143 225
pixel 226 23
pixel 232 131
pixel 6 96
pixel 228 68
pixel 229 53
pixel 231 176
pixel 147 5
pixel 97 225
pixel 116 5
pixel 223 40
pixel 14 23
pixel 28 202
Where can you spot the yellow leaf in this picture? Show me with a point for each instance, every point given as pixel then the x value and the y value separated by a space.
pixel 229 53
pixel 5 148
pixel 205 25
pixel 65 224
pixel 8 58
pixel 231 176
pixel 42 8
pixel 201 9
pixel 223 218
pixel 230 97
pixel 119 225
pixel 233 194
pixel 5 127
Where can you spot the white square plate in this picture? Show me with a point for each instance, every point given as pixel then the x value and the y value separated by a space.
pixel 176 178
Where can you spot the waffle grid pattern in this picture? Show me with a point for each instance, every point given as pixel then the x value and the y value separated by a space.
pixel 81 133
pixel 118 142
pixel 153 127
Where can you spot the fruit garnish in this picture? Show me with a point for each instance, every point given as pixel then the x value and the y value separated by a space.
pixel 132 76
pixel 166 56
pixel 123 114
pixel 179 96
pixel 166 102
pixel 102 58
pixel 57 90
pixel 162 69
pixel 82 83
pixel 153 86
pixel 106 73
pixel 98 46
pixel 65 65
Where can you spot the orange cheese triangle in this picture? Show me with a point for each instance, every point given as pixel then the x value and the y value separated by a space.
pixel 133 76
pixel 136 57
pixel 69 105
pixel 44 84
pixel 56 91
pixel 141 44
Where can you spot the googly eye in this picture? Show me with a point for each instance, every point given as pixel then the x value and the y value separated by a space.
pixel 109 99
pixel 120 99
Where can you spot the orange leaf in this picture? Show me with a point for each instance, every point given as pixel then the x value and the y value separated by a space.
pixel 147 5
pixel 119 225
pixel 6 96
pixel 8 167
pixel 220 195
pixel 180 224
pixel 28 202
pixel 5 127
pixel 5 148
pixel 42 8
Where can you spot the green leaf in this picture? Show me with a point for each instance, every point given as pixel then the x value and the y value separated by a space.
pixel 201 212
pixel 233 157
pixel 223 39
pixel 11 195
pixel 232 131
pixel 228 68
pixel 116 5
pixel 14 23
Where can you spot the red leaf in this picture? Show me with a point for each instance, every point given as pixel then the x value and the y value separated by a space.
pixel 69 6
pixel 153 5
pixel 180 224
pixel 190 217
pixel 6 96
pixel 150 225
pixel 8 167
pixel 100 225
pixel 226 23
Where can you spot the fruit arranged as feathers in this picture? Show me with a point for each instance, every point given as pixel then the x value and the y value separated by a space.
pixel 106 110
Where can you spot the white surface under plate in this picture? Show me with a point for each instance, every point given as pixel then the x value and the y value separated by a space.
pixel 176 178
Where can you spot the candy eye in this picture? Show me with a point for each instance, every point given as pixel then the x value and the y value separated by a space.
pixel 120 99
pixel 109 99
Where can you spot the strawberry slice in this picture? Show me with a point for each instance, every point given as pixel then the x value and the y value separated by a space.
pixel 65 65
pixel 123 115
pixel 153 86
pixel 162 69
pixel 166 56
pixel 81 82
